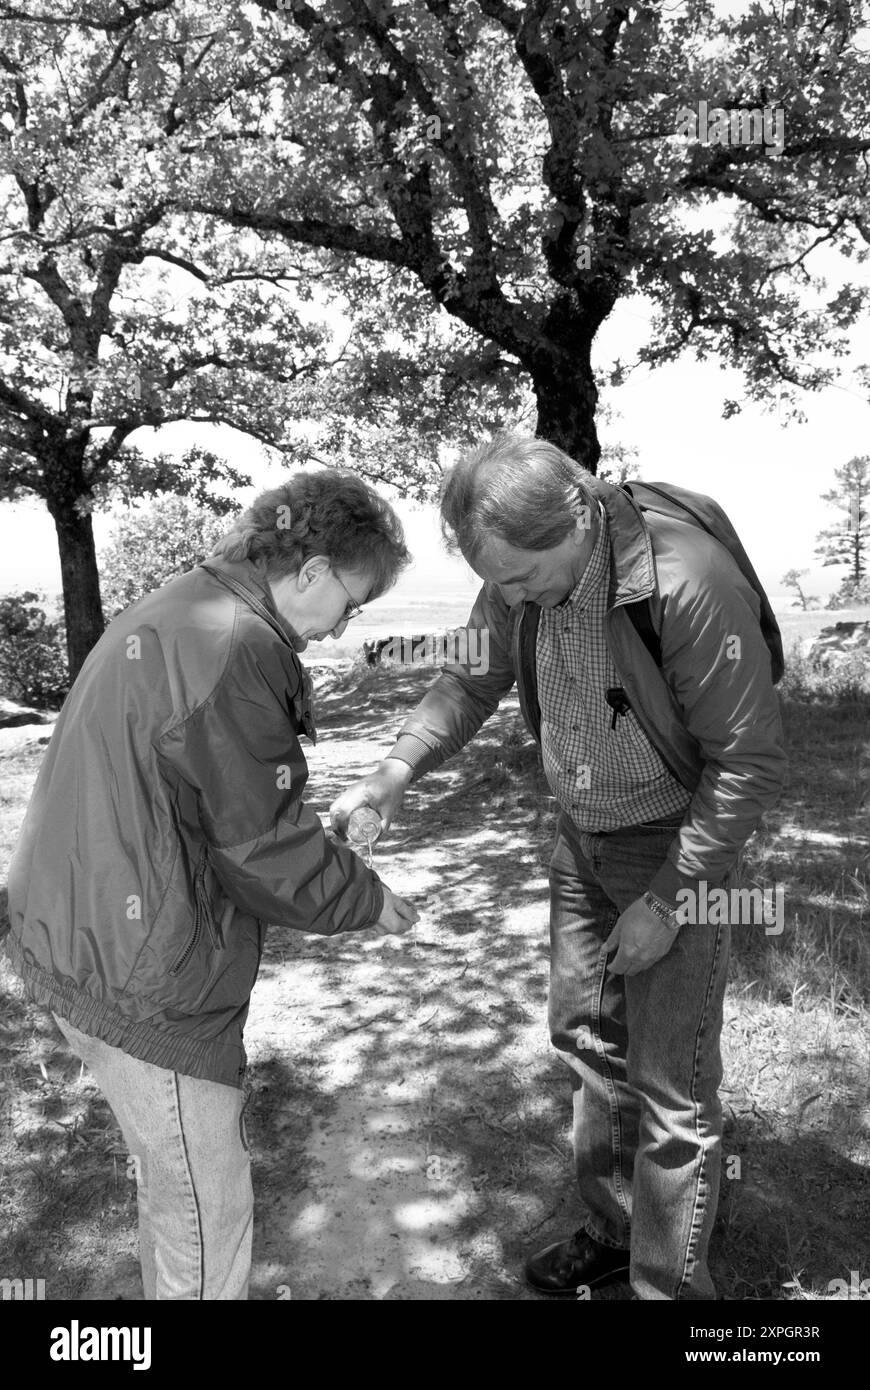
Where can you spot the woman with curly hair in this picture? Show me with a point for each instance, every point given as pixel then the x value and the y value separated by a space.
pixel 167 829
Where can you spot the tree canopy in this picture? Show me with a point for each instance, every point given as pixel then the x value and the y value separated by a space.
pixel 105 324
pixel 397 221
pixel 523 166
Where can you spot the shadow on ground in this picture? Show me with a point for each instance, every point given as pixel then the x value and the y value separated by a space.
pixel 408 1122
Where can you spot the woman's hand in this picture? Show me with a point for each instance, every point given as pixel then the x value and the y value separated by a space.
pixel 397 915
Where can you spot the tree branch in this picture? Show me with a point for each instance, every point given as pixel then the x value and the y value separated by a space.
pixel 128 17
pixel 313 231
pixel 228 364
pixel 13 399
pixel 276 278
pixel 99 92
pixel 472 182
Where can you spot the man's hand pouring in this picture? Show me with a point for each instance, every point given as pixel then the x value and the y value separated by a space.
pixel 383 791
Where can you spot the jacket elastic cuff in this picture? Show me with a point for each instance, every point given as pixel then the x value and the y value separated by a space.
pixel 668 882
pixel 378 904
pixel 413 751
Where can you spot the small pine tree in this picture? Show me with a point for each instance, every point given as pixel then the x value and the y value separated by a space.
pixel 847 542
pixel 792 580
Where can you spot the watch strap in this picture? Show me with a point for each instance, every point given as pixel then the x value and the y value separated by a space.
pixel 665 914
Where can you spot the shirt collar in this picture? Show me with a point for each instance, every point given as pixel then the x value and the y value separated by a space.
pixel 597 570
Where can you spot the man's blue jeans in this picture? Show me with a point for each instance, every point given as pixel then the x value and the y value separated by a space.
pixel 644 1056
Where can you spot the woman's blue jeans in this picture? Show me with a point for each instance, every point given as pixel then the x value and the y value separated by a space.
pixel 192 1169
pixel 644 1057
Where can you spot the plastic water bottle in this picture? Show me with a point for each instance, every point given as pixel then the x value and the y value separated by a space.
pixel 363 828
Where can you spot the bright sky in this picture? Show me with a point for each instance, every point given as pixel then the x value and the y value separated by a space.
pixel 768 475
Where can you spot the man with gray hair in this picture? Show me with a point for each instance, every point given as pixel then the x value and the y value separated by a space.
pixel 662 765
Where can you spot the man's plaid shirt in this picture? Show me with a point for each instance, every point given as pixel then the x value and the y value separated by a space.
pixel 603 777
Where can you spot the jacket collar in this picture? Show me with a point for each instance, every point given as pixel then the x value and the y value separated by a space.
pixel 632 578
pixel 252 577
pixel 632 564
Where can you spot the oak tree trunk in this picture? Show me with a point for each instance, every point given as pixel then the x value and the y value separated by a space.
pixel 564 382
pixel 82 606
pixel 566 398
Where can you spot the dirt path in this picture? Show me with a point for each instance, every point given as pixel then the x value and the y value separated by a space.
pixel 403 1094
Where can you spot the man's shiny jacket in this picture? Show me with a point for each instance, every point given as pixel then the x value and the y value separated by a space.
pixel 711 711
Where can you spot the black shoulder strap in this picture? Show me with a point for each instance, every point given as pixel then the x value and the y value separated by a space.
pixel 642 620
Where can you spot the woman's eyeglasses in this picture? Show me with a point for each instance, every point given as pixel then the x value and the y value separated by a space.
pixel 353 609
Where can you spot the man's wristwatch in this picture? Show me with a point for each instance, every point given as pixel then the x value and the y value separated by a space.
pixel 666 914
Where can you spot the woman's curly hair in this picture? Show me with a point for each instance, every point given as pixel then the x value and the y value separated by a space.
pixel 331 512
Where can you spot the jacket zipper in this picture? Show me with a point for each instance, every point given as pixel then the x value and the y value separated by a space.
pixel 201 913
pixel 205 911
pixel 188 950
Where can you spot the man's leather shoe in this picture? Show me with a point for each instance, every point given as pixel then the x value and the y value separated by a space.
pixel 568 1265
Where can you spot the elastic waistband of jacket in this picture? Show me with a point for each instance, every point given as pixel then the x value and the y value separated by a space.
pixel 206 1060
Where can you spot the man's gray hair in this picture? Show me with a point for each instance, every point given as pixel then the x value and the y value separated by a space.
pixel 524 490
